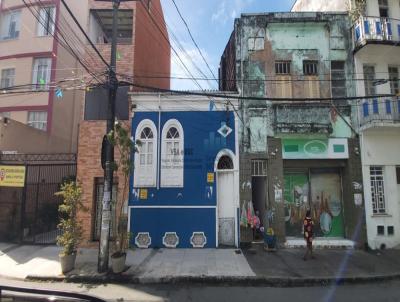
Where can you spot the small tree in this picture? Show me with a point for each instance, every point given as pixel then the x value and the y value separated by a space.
pixel 120 138
pixel 357 9
pixel 71 229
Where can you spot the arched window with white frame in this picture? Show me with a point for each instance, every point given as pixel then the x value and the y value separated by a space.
pixel 146 157
pixel 172 154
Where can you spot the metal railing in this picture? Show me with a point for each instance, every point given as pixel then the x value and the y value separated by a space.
pixel 14 293
pixel 368 28
pixel 379 111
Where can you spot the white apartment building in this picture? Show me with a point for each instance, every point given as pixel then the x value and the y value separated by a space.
pixel 376 50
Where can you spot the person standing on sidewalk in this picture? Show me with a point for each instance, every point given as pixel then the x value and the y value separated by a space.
pixel 308 234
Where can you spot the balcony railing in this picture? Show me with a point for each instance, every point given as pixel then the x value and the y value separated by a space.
pixel 376 29
pixel 380 112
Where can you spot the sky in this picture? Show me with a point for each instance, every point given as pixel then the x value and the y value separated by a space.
pixel 211 24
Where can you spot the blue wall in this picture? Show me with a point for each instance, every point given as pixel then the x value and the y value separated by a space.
pixel 202 143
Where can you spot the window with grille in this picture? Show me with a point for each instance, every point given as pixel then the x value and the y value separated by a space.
pixel 377 190
pixel 369 79
pixel 394 80
pixel 282 67
pixel 41 73
pixel 283 79
pixel 9 26
pixel 172 154
pixel 310 67
pixel 338 76
pixel 259 167
pixel 46 22
pixel 383 8
pixel 37 119
pixel 99 190
pixel 7 77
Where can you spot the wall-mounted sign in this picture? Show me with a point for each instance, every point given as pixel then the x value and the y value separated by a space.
pixel 333 148
pixel 12 176
pixel 143 194
pixel 210 178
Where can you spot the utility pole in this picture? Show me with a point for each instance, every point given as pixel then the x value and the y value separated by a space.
pixel 104 243
pixel 102 265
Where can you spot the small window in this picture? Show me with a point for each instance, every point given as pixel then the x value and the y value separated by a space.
pixel 38 120
pixel 9 26
pixel 46 23
pixel 310 67
pixel 388 105
pixel 259 167
pixel 7 78
pixel 282 67
pixel 394 80
pixel 338 79
pixel 398 175
pixel 41 73
pixel 225 163
pixel 369 80
pixel 381 230
pixel 383 8
pixel 390 230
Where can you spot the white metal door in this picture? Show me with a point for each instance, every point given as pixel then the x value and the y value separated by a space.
pixel 226 208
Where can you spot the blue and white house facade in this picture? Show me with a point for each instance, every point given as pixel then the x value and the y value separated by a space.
pixel 184 190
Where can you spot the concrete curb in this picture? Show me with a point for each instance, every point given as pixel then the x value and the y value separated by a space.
pixel 217 280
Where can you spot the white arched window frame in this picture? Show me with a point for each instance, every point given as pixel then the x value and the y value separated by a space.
pixel 145 173
pixel 172 154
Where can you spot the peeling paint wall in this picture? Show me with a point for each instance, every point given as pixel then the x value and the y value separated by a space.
pixel 260 41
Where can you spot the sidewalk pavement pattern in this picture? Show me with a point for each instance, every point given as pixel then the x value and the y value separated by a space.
pixel 254 266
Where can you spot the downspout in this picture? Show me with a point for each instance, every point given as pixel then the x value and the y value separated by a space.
pixel 159 142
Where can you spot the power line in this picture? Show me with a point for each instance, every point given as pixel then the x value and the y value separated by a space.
pixel 192 38
pixel 152 88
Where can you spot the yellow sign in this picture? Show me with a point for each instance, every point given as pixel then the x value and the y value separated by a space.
pixel 210 178
pixel 12 176
pixel 143 193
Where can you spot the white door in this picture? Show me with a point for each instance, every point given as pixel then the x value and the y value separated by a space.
pixel 226 208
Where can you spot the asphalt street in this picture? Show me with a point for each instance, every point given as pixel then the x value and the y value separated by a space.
pixel 388 291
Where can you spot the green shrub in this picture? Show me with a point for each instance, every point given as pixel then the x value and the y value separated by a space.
pixel 71 229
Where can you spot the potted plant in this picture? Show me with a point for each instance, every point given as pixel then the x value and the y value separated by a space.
pixel 121 139
pixel 70 227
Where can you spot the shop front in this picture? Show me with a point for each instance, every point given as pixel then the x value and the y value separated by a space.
pixel 313 174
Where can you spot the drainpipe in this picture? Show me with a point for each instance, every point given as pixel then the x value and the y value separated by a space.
pixel 159 142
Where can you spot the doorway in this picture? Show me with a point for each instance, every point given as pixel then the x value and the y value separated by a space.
pixel 319 190
pixel 259 194
pixel 225 200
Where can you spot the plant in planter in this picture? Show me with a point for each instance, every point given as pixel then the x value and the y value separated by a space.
pixel 70 227
pixel 121 139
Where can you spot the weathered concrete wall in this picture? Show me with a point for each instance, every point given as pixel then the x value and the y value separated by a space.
pixel 260 41
pixel 320 5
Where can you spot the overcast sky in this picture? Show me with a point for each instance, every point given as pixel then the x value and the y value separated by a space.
pixel 211 24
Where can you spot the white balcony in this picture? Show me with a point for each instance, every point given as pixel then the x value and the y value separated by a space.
pixel 376 30
pixel 379 112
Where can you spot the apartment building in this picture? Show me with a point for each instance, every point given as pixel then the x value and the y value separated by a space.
pixel 32 59
pixel 376 36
